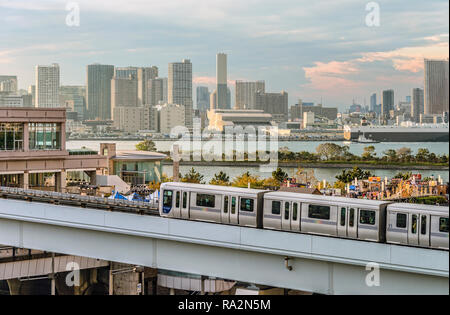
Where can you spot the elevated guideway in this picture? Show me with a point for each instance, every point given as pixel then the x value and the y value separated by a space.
pixel 319 264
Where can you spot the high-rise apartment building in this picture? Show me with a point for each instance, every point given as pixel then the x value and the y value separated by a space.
pixel 203 98
pixel 8 83
pixel 98 91
pixel 155 91
pixel 74 98
pixel 387 103
pixel 32 92
pixel 222 77
pixel 180 87
pixel 143 76
pixel 273 103
pixel 47 86
pixel 373 102
pixel 417 104
pixel 436 87
pixel 246 93
pixel 123 93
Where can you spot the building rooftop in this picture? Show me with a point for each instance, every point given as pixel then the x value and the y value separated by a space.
pixel 139 155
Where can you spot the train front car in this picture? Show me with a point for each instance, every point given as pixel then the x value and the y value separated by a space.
pixel 210 203
pixel 418 225
pixel 324 215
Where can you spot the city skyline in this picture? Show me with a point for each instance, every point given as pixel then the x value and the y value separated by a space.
pixel 337 60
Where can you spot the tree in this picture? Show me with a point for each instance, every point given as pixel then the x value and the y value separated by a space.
pixel 391 155
pixel 193 177
pixel 146 145
pixel 348 176
pixel 369 153
pixel 404 176
pixel 404 154
pixel 246 178
pixel 329 150
pixel 221 179
pixel 279 175
pixel 422 155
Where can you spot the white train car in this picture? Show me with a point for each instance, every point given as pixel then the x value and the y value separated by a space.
pixel 210 203
pixel 332 216
pixel 418 225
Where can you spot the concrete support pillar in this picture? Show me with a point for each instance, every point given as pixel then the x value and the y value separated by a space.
pixel 26 180
pixel 60 181
pixel 172 291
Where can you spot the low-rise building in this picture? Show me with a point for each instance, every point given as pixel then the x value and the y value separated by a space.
pixel 33 150
pixel 221 118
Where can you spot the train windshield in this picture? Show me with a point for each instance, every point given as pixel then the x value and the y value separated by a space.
pixel 167 200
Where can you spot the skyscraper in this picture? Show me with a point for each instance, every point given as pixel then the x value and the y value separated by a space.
pixel 203 96
pixel 98 91
pixel 123 92
pixel 436 87
pixel 245 93
pixel 8 83
pixel 387 103
pixel 373 102
pixel 47 86
pixel 180 87
pixel 222 78
pixel 273 103
pixel 417 104
pixel 143 76
pixel 155 91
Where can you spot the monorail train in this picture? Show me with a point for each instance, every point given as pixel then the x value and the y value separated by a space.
pixel 361 219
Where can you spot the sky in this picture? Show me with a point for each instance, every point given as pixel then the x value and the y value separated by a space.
pixel 317 51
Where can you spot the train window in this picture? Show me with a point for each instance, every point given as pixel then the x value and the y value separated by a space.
pixel 414 224
pixel 276 207
pixel 204 200
pixel 343 213
pixel 184 200
pixel 167 198
pixel 367 217
pixel 294 211
pixel 247 204
pixel 351 222
pixel 233 205
pixel 423 225
pixel 401 220
pixel 225 204
pixel 286 210
pixel 177 202
pixel 443 225
pixel 319 212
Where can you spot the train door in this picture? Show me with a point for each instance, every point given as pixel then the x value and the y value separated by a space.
pixel 424 230
pixel 352 223
pixel 177 208
pixel 185 205
pixel 234 211
pixel 226 210
pixel 286 216
pixel 342 222
pixel 413 232
pixel 295 216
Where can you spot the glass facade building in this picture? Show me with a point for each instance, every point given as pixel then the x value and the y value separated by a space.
pixel 45 136
pixel 11 137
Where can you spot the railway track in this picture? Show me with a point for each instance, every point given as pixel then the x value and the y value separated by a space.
pixel 56 198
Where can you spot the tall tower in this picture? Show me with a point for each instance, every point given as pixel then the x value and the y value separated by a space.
pixel 47 86
pixel 98 91
pixel 180 87
pixel 387 103
pixel 417 107
pixel 222 77
pixel 436 86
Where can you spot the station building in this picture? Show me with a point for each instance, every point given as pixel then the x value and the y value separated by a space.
pixel 33 151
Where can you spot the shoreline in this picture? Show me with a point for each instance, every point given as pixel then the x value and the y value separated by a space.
pixel 317 165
